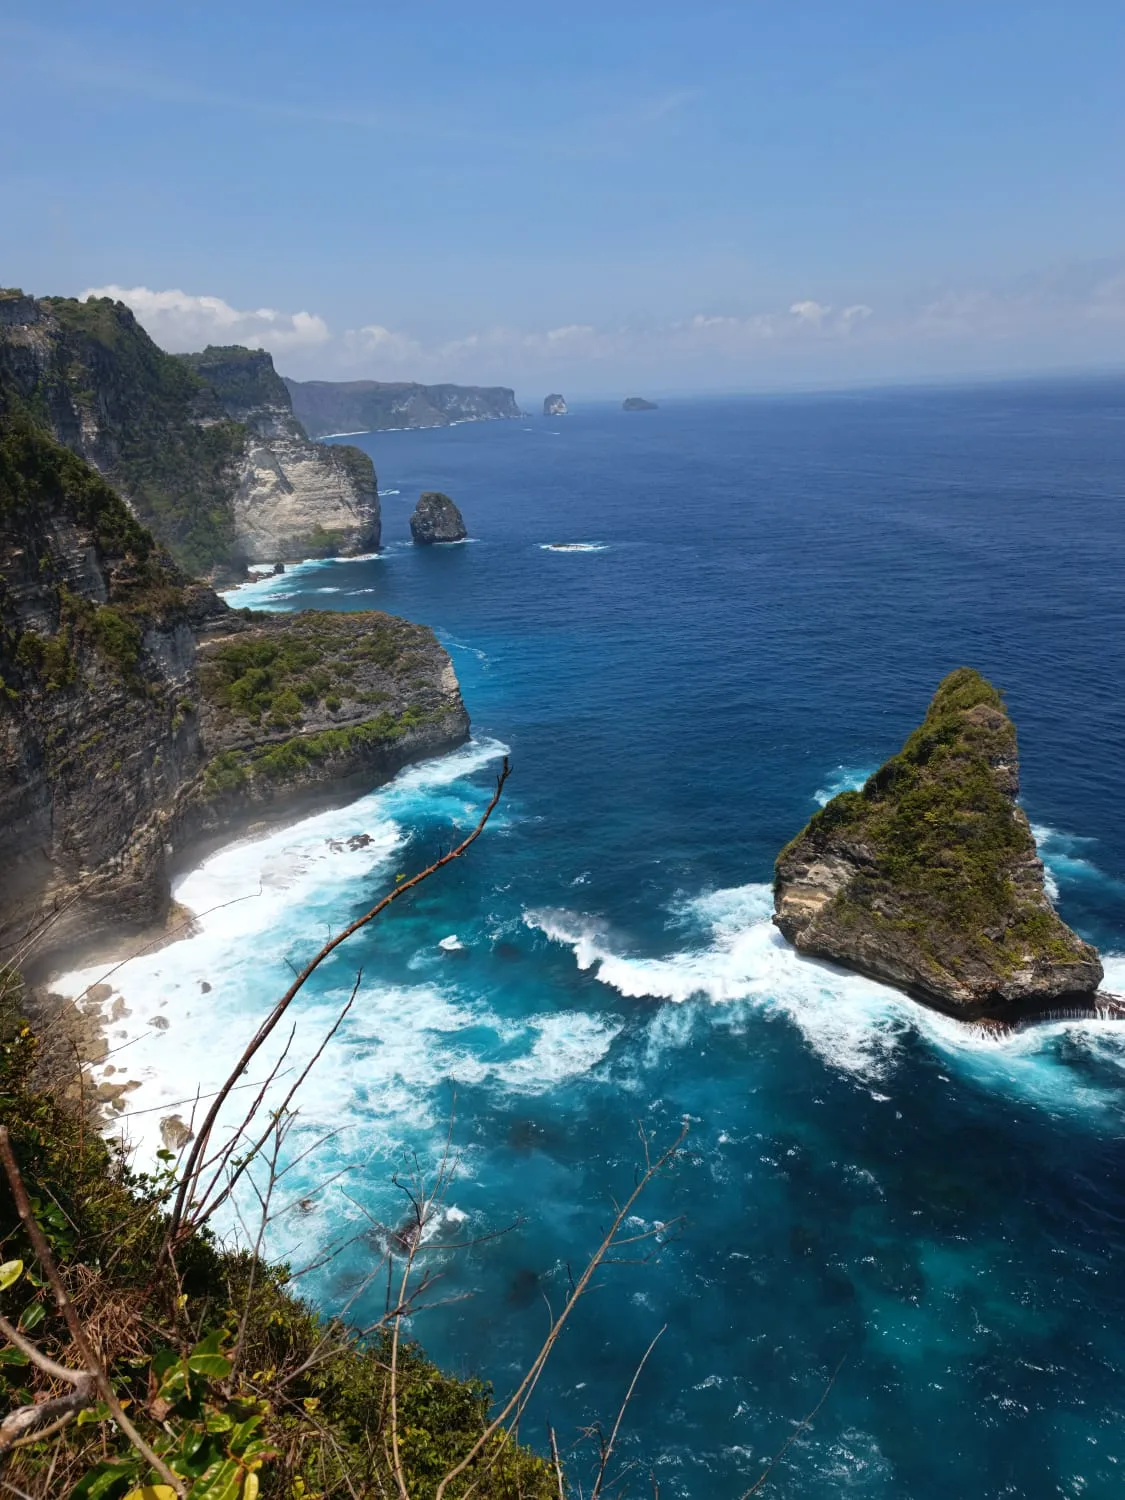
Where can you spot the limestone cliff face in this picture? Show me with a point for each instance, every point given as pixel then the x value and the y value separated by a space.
pixel 294 498
pixel 929 879
pixel 139 715
pixel 436 519
pixel 331 406
pixel 204 448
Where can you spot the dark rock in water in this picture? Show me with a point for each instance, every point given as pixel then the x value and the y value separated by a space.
pixel 637 403
pixel 204 986
pixel 526 1135
pixel 278 569
pixel 554 406
pixel 436 519
pixel 523 1289
pixel 929 879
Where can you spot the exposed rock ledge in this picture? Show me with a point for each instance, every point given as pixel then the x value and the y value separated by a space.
pixel 928 878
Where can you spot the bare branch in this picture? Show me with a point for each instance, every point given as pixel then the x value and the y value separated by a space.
pixel 189 1179
pixel 607 1452
pixel 73 1322
pixel 522 1393
pixel 794 1435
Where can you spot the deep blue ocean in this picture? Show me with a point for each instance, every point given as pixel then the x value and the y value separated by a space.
pixel 771 591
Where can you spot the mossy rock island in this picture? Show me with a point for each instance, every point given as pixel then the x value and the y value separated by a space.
pixel 637 403
pixel 436 519
pixel 928 879
pixel 554 406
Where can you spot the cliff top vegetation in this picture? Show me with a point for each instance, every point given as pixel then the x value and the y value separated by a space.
pixel 945 854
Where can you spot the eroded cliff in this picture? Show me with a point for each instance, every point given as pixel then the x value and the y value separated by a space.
pixel 140 715
pixel 929 878
pixel 294 498
pixel 204 448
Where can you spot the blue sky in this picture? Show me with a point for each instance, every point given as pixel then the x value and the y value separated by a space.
pixel 584 197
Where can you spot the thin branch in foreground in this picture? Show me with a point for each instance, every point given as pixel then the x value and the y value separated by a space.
pixel 190 1178
pixel 82 1343
pixel 522 1394
pixel 802 1426
pixel 607 1451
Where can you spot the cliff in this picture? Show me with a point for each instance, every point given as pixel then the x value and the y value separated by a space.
pixel 204 449
pixel 436 519
pixel 327 406
pixel 929 879
pixel 139 715
pixel 294 498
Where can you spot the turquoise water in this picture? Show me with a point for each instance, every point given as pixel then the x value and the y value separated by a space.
pixel 771 591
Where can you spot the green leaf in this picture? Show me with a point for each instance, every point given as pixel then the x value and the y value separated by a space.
pixel 13 1357
pixel 99 1413
pixel 102 1481
pixel 10 1273
pixel 205 1358
pixel 33 1314
pixel 152 1492
pixel 222 1481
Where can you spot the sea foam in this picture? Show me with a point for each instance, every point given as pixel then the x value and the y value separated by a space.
pixel 739 961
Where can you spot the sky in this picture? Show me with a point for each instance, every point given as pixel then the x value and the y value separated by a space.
pixel 634 195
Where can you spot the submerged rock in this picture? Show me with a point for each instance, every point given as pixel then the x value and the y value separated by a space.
pixel 637 403
pixel 554 406
pixel 436 519
pixel 928 878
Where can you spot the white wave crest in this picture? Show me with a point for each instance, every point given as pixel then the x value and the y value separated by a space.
pixel 175 1015
pixel 842 779
pixel 854 1024
pixel 574 546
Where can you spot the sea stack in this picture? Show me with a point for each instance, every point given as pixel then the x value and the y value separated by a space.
pixel 637 403
pixel 928 878
pixel 436 519
pixel 554 406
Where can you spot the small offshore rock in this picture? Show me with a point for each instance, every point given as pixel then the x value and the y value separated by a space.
pixel 637 403
pixel 436 519
pixel 554 406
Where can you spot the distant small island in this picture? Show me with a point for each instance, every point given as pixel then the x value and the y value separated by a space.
pixel 554 406
pixel 637 403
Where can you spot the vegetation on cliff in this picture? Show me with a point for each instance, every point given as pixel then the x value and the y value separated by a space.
pixel 40 479
pixel 169 445
pixel 294 692
pixel 204 447
pixel 934 863
pixel 227 1374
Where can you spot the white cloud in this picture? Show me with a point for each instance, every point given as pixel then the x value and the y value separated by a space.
pixel 572 332
pixel 180 321
pixel 812 313
pixel 381 346
pixel 855 314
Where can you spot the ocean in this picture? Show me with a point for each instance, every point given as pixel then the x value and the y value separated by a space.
pixel 767 593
